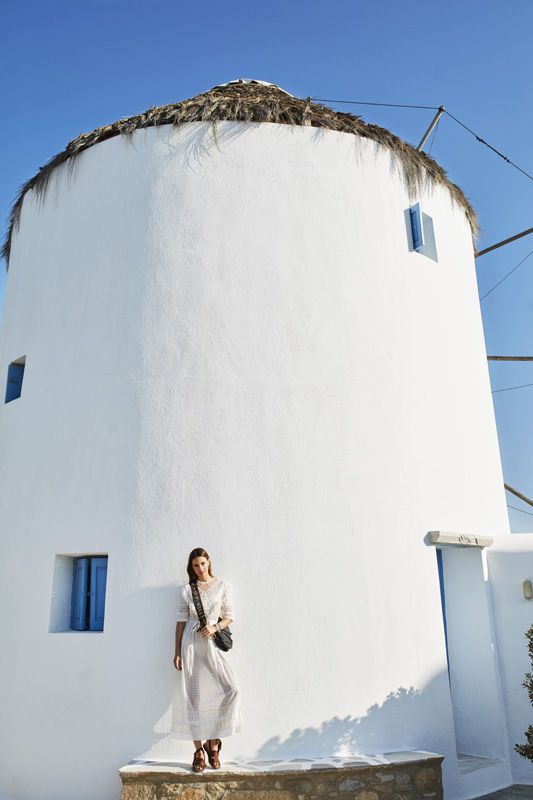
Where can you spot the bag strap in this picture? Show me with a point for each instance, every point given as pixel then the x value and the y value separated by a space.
pixel 198 603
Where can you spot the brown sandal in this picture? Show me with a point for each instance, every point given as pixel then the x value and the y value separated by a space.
pixel 198 762
pixel 213 754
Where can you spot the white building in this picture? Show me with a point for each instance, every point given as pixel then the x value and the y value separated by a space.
pixel 229 341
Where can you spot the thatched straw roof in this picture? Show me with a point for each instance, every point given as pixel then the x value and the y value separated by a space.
pixel 250 101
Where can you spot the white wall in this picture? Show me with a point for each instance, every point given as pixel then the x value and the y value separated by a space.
pixel 510 562
pixel 474 673
pixel 232 346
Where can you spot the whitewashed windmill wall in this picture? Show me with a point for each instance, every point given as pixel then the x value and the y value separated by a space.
pixel 230 343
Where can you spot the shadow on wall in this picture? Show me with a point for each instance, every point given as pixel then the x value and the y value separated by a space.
pixel 123 693
pixel 198 141
pixel 203 141
pixel 395 724
pixel 407 719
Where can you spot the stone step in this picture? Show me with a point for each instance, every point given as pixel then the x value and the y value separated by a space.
pixel 518 791
pixel 412 775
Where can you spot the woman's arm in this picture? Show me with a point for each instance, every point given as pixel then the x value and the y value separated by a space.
pixel 226 608
pixel 226 612
pixel 210 630
pixel 180 626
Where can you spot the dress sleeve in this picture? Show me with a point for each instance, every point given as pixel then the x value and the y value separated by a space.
pixel 226 609
pixel 183 605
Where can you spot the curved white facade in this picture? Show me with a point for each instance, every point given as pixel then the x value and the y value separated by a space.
pixel 230 344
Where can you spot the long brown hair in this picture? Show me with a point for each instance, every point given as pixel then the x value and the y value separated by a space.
pixel 197 553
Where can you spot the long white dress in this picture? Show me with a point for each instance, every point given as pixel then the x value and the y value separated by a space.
pixel 206 702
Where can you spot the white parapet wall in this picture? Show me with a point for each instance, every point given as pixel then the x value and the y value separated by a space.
pixel 230 343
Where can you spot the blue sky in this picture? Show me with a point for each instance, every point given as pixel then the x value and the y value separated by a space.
pixel 69 66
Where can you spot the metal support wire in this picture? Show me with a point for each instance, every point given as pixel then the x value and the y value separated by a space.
pixel 507 274
pixel 432 108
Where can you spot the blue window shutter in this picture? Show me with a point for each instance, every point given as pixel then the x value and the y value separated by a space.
pixel 15 373
pixel 78 604
pixel 417 229
pixel 97 593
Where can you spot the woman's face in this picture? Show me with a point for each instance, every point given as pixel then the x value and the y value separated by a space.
pixel 200 566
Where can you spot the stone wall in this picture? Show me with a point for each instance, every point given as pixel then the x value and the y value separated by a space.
pixel 411 781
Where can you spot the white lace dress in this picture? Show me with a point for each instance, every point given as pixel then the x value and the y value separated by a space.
pixel 206 702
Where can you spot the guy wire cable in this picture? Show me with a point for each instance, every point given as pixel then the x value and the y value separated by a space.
pixel 363 103
pixel 429 108
pixel 510 388
pixel 520 509
pixel 505 276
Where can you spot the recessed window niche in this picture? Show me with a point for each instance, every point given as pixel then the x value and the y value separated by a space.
pixel 420 232
pixel 78 593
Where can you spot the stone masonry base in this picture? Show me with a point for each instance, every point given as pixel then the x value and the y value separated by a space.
pixel 412 779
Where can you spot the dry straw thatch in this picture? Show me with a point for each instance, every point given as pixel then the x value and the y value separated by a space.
pixel 250 101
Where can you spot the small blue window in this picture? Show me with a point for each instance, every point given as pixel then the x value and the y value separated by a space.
pixel 417 229
pixel 87 606
pixel 15 373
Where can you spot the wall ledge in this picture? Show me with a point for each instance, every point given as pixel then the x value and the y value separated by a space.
pixel 415 774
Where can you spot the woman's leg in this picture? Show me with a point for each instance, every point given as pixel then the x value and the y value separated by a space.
pixel 228 687
pixel 212 746
pixel 198 760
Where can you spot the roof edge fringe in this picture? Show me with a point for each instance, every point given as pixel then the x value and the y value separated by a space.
pixel 249 101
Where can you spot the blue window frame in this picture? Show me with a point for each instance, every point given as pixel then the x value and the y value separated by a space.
pixel 78 605
pixel 15 374
pixel 417 228
pixel 443 603
pixel 87 606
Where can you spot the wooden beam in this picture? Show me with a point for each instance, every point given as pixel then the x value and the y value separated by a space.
pixel 501 244
pixel 510 358
pixel 518 494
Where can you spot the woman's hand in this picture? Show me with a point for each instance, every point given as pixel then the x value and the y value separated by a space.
pixel 178 662
pixel 208 631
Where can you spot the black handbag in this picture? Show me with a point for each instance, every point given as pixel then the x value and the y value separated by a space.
pixel 222 639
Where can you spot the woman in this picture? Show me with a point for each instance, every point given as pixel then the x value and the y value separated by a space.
pixel 207 701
